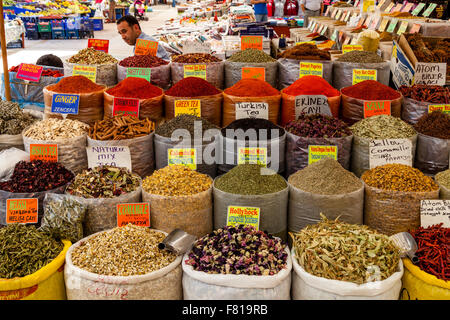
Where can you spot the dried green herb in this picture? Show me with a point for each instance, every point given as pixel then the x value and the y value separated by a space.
pixel 346 252
pixel 24 250
pixel 382 127
pixel 443 178
pixel 184 121
pixel 12 119
pixel 251 55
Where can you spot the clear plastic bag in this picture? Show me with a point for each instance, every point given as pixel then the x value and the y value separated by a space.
pixel 412 110
pixel 305 207
pixel 163 284
pixel 198 285
pixel 159 76
pixel 214 72
pixel 148 108
pixel 343 72
pixel 432 154
pixel 90 108
pixel 8 160
pixel 190 213
pixel 106 73
pixel 272 215
pixel 360 154
pixel 210 106
pixel 369 39
pixel 71 152
pixel 297 151
pixel 141 152
pixel 229 108
pixel 391 212
pixel 289 71
pixel 11 141
pixel 233 71
pixel 445 192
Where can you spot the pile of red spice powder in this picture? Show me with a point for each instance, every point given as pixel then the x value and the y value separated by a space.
pixel 192 87
pixel 75 84
pixel 137 88
pixel 371 90
pixel 311 85
pixel 251 88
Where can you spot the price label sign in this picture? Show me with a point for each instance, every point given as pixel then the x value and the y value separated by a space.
pixel 347 16
pixel 429 10
pixel 237 215
pixel 392 25
pixel 397 8
pixel 415 28
pixel 334 35
pixel 376 108
pixel 402 28
pixel 253 73
pixel 313 25
pixel 126 106
pixel 22 210
pixel 44 152
pixel 253 42
pixel 252 156
pixel 195 70
pixel 311 69
pixel 380 4
pixel 144 73
pixel 360 75
pixel 341 35
pixel 435 212
pixel 146 47
pixel 316 153
pixel 182 156
pixel 328 11
pixel 347 40
pixel 324 30
pixel 351 47
pixel 445 108
pixel 116 156
pixel 338 14
pixel 29 72
pixel 389 7
pixel 333 14
pixel 65 103
pixel 374 23
pixel 430 73
pixel 417 9
pixel 192 107
pixel 88 72
pixel 303 42
pixel 134 213
pixel 408 7
pixel 388 151
pixel 383 25
pixel 246 110
pixel 99 44
pixel 311 104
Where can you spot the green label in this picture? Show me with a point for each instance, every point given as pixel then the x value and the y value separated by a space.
pixel 334 35
pixel 392 25
pixel 139 73
pixel 417 9
pixel 430 9
pixel 324 30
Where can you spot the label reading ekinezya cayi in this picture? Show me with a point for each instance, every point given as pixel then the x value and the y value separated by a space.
pixel 311 104
pixel 376 108
pixel 116 156
pixel 144 73
pixel 192 107
pixel 243 215
pixel 126 106
pixel 316 153
pixel 252 156
pixel 253 73
pixel 195 70
pixel 435 212
pixel 146 47
pixel 445 108
pixel 88 72
pixel 22 210
pixel 65 103
pixel 360 75
pixel 183 156
pixel 246 110
pixel 311 69
pixel 30 72
pixel 99 44
pixel 254 42
pixel 388 151
pixel 134 213
pixel 351 47
pixel 44 152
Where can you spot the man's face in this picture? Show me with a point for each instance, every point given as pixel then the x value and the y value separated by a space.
pixel 129 34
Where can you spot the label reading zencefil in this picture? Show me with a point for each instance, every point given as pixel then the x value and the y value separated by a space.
pixel 360 75
pixel 387 151
pixel 316 153
pixel 30 72
pixel 253 73
pixel 65 103
pixel 195 70
pixel 88 72
pixel 445 108
pixel 134 213
pixel 126 106
pixel 191 107
pixel 183 156
pixel 435 212
pixel 116 156
pixel 252 156
pixel 144 73
pixel 311 104
pixel 21 210
pixel 243 215
pixel 311 69
pixel 246 110
pixel 376 108
pixel 146 47
pixel 44 152
pixel 253 42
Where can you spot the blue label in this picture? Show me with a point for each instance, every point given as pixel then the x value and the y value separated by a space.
pixel 65 103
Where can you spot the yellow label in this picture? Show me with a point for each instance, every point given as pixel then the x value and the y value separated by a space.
pixel 248 216
pixel 182 156
pixel 367 4
pixel 252 156
pixel 195 70
pixel 389 7
pixel 360 75
pixel 316 153
pixel 192 107
pixel 402 27
pixel 302 42
pixel 88 72
pixel 338 15
pixel 351 47
pixel 383 25
pixel 445 108
pixel 311 69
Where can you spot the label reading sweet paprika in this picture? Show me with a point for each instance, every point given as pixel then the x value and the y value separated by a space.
pixel 316 153
pixel 134 213
pixel 445 108
pixel 311 104
pixel 252 156
pixel 126 106
pixel 253 73
pixel 376 108
pixel 311 69
pixel 195 70
pixel 29 72
pixel 99 44
pixel 88 72
pixel 22 210
pixel 144 73
pixel 183 156
pixel 191 107
pixel 243 215
pixel 146 47
pixel 253 42
pixel 44 152
pixel 360 75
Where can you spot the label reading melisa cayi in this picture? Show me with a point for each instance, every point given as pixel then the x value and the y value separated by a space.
pixel 243 215
pixel 253 73
pixel 182 156
pixel 30 72
pixel 87 71
pixel 191 107
pixel 252 156
pixel 44 152
pixel 351 47
pixel 388 151
pixel 146 47
pixel 316 153
pixel 99 44
pixel 65 103
pixel 116 156
pixel 134 213
pixel 195 70
pixel 435 212
pixel 253 42
pixel 445 108
pixel 22 210
pixel 430 73
pixel 144 73
pixel 376 108
pixel 311 69
pixel 126 106
pixel 360 75
pixel 246 110
pixel 311 104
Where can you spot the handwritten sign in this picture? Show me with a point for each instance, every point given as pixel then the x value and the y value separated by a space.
pixel 376 108
pixel 192 107
pixel 146 47
pixel 415 28
pixel 430 73
pixel 99 44
pixel 253 42
pixel 243 215
pixel 258 110
pixel 88 72
pixel 417 9
pixel 360 75
pixel 29 72
pixel 435 212
pixel 195 70
pixel 402 28
pixel 44 152
pixel 383 25
pixel 387 151
pixel 116 156
pixel 22 210
pixel 182 156
pixel 134 213
pixel 311 104
pixel 316 153
pixel 252 156
pixel 253 73
pixel 430 9
pixel 351 47
pixel 126 106
pixel 144 73
pixel 392 25
pixel 311 69
pixel 65 103
pixel 445 108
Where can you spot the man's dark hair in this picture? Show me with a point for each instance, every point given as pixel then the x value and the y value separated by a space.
pixel 130 20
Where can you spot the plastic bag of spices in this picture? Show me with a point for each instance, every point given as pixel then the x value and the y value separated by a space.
pixel 106 74
pixel 233 71
pixel 159 76
pixel 343 72
pixel 214 72
pixel 432 154
pixel 8 160
pixel 443 180
pixel 412 110
pixel 289 71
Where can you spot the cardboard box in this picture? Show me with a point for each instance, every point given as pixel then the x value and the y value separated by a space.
pixel 401 68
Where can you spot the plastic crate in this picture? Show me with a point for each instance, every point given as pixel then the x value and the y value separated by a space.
pixel 73 24
pixel 72 34
pixel 98 24
pixel 32 35
pixel 58 34
pixel 31 26
pixel 44 27
pixel 14 44
pixel 45 35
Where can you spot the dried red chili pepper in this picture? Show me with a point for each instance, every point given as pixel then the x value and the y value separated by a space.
pixel 420 92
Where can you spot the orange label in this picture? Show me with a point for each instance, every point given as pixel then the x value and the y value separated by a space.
pixel 22 210
pixel 146 47
pixel 44 152
pixel 254 73
pixel 18 294
pixel 254 42
pixel 134 213
pixel 415 28
pixel 376 108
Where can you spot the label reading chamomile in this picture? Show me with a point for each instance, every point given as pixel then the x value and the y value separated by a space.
pixel 259 110
pixel 134 213
pixel 182 156
pixel 435 212
pixel 243 215
pixel 316 153
pixel 22 210
pixel 252 156
pixel 360 75
pixel 44 152
pixel 387 151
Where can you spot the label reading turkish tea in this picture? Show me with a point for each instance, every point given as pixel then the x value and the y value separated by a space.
pixel 183 156
pixel 311 104
pixel 144 73
pixel 248 216
pixel 246 110
pixel 351 47
pixel 126 106
pixel 435 212
pixel 376 108
pixel 311 69
pixel 253 42
pixel 65 103
pixel 360 75
pixel 146 47
pixel 253 73
pixel 116 156
pixel 44 152
pixel 316 153
pixel 387 151
pixel 252 156
pixel 99 44
pixel 88 72
pixel 195 70
pixel 445 108
pixel 134 213
pixel 22 210
pixel 191 107
pixel 30 72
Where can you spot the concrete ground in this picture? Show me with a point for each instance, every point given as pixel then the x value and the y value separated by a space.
pixel 117 47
